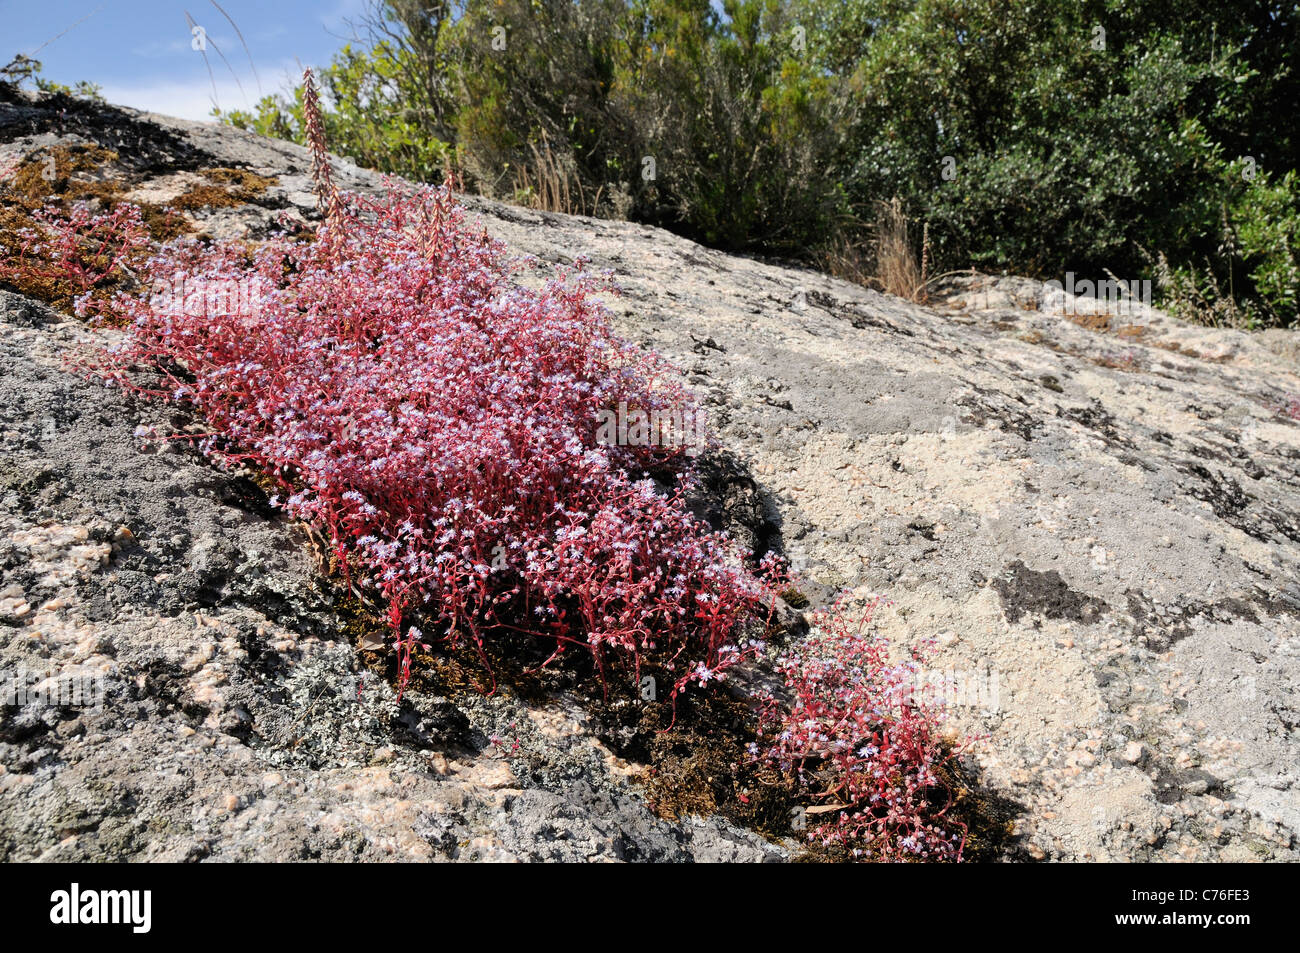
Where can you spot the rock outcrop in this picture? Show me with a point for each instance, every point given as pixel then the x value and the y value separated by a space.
pixel 1096 517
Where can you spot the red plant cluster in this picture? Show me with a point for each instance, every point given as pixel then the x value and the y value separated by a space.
pixel 439 424
pixel 856 746
pixel 83 248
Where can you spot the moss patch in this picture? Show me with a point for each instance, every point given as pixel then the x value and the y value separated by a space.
pixel 246 182
pixel 226 188
pixel 59 173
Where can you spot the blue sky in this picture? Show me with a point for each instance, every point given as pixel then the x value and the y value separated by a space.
pixel 140 51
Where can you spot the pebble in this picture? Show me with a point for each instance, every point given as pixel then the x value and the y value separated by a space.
pixel 15 608
pixel 438 763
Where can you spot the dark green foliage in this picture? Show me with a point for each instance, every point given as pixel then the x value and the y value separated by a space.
pixel 1029 140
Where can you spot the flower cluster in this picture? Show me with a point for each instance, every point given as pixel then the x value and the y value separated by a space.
pixel 439 424
pixel 855 745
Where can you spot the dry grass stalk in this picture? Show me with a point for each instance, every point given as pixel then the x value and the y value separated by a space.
pixel 848 259
pixel 550 185
pixel 897 270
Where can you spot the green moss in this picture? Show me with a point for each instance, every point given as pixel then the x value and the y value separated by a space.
pixel 228 188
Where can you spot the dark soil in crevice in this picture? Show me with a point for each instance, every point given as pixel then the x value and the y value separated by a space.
pixel 1008 420
pixel 1173 784
pixel 1026 591
pixel 1159 629
pixel 1232 504
pixel 1099 421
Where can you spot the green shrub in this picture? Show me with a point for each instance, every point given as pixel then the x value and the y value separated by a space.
pixel 1038 138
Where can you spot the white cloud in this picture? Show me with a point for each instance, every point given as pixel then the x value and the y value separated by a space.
pixel 191 98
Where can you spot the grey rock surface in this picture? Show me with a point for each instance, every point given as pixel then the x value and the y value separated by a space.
pixel 1096 520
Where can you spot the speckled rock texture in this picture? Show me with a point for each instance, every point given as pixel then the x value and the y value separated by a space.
pixel 1096 519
